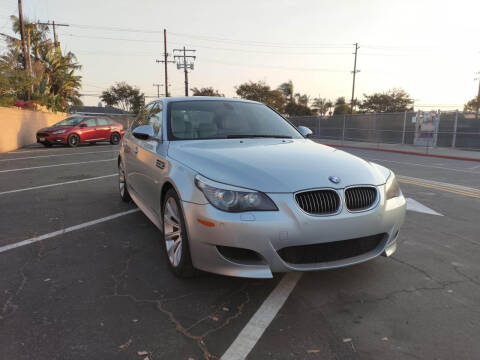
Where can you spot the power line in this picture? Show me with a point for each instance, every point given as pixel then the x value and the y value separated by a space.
pixel 212 47
pixel 213 39
pixel 184 62
pixel 55 42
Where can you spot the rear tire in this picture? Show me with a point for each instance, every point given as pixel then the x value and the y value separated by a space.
pixel 115 138
pixel 73 140
pixel 175 238
pixel 122 183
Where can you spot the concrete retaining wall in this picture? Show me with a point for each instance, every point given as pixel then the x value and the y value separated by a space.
pixel 20 126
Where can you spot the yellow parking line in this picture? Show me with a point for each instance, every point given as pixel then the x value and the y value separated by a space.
pixel 442 188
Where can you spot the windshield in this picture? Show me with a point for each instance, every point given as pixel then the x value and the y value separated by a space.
pixel 215 119
pixel 71 121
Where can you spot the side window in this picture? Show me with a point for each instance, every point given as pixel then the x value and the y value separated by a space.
pixel 90 122
pixel 102 122
pixel 142 117
pixel 155 118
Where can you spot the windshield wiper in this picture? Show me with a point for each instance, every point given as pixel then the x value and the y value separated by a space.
pixel 236 136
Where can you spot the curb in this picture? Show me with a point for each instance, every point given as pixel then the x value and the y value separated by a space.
pixel 404 152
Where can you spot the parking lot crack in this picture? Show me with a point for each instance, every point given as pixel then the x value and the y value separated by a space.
pixel 118 278
pixel 9 307
pixel 465 276
pixel 392 294
pixel 416 268
pixel 201 338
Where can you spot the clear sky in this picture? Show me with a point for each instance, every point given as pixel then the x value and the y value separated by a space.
pixel 429 48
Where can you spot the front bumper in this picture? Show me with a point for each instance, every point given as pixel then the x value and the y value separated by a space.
pixel 267 232
pixel 52 139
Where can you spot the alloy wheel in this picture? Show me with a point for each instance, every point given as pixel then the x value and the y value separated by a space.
pixel 73 140
pixel 172 230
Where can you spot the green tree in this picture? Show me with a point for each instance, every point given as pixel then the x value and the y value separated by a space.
pixel 341 107
pixel 321 105
pixel 297 109
pixel 472 105
pixel 395 100
pixel 206 91
pixel 52 79
pixel 124 96
pixel 259 91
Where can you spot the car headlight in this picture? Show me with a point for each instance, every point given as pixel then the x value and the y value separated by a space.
pixel 59 132
pixel 392 189
pixel 233 199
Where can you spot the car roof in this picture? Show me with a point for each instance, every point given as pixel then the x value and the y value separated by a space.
pixel 210 98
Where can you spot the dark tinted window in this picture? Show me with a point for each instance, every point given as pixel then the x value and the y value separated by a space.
pixel 213 119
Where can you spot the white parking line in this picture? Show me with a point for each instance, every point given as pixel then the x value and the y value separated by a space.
pixel 56 184
pixel 64 231
pixel 42 149
pixel 259 322
pixel 69 154
pixel 47 166
pixel 422 165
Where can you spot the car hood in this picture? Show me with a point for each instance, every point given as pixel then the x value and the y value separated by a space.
pixel 55 128
pixel 274 165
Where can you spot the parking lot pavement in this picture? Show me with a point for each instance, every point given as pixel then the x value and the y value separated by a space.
pixel 103 290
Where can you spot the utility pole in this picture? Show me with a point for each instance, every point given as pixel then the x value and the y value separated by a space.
pixel 184 62
pixel 55 40
pixel 22 34
pixel 158 89
pixel 165 60
pixel 355 71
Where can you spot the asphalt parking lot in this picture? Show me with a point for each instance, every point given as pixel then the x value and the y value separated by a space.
pixel 82 275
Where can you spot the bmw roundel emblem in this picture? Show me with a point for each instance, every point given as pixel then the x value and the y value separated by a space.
pixel 334 179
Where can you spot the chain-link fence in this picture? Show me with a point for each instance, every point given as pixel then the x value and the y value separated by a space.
pixel 445 129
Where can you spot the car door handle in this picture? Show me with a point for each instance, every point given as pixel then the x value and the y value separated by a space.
pixel 135 150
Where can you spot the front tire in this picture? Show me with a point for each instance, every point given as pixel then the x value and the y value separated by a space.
pixel 115 139
pixel 175 238
pixel 73 140
pixel 122 184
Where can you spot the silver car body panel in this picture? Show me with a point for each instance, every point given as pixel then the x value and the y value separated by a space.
pixel 278 167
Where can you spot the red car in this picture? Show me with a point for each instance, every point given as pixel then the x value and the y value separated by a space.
pixel 81 129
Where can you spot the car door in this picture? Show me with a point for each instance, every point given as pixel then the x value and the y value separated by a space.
pixel 132 146
pixel 88 129
pixel 103 129
pixel 152 161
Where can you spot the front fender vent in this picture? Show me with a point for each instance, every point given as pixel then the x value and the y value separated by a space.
pixel 319 202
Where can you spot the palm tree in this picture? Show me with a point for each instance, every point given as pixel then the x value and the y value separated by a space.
pixel 322 105
pixel 52 79
pixel 287 90
pixel 302 99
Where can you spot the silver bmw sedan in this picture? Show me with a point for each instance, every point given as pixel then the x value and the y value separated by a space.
pixel 236 189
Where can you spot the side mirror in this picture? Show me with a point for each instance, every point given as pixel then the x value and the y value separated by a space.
pixel 82 125
pixel 305 131
pixel 144 132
